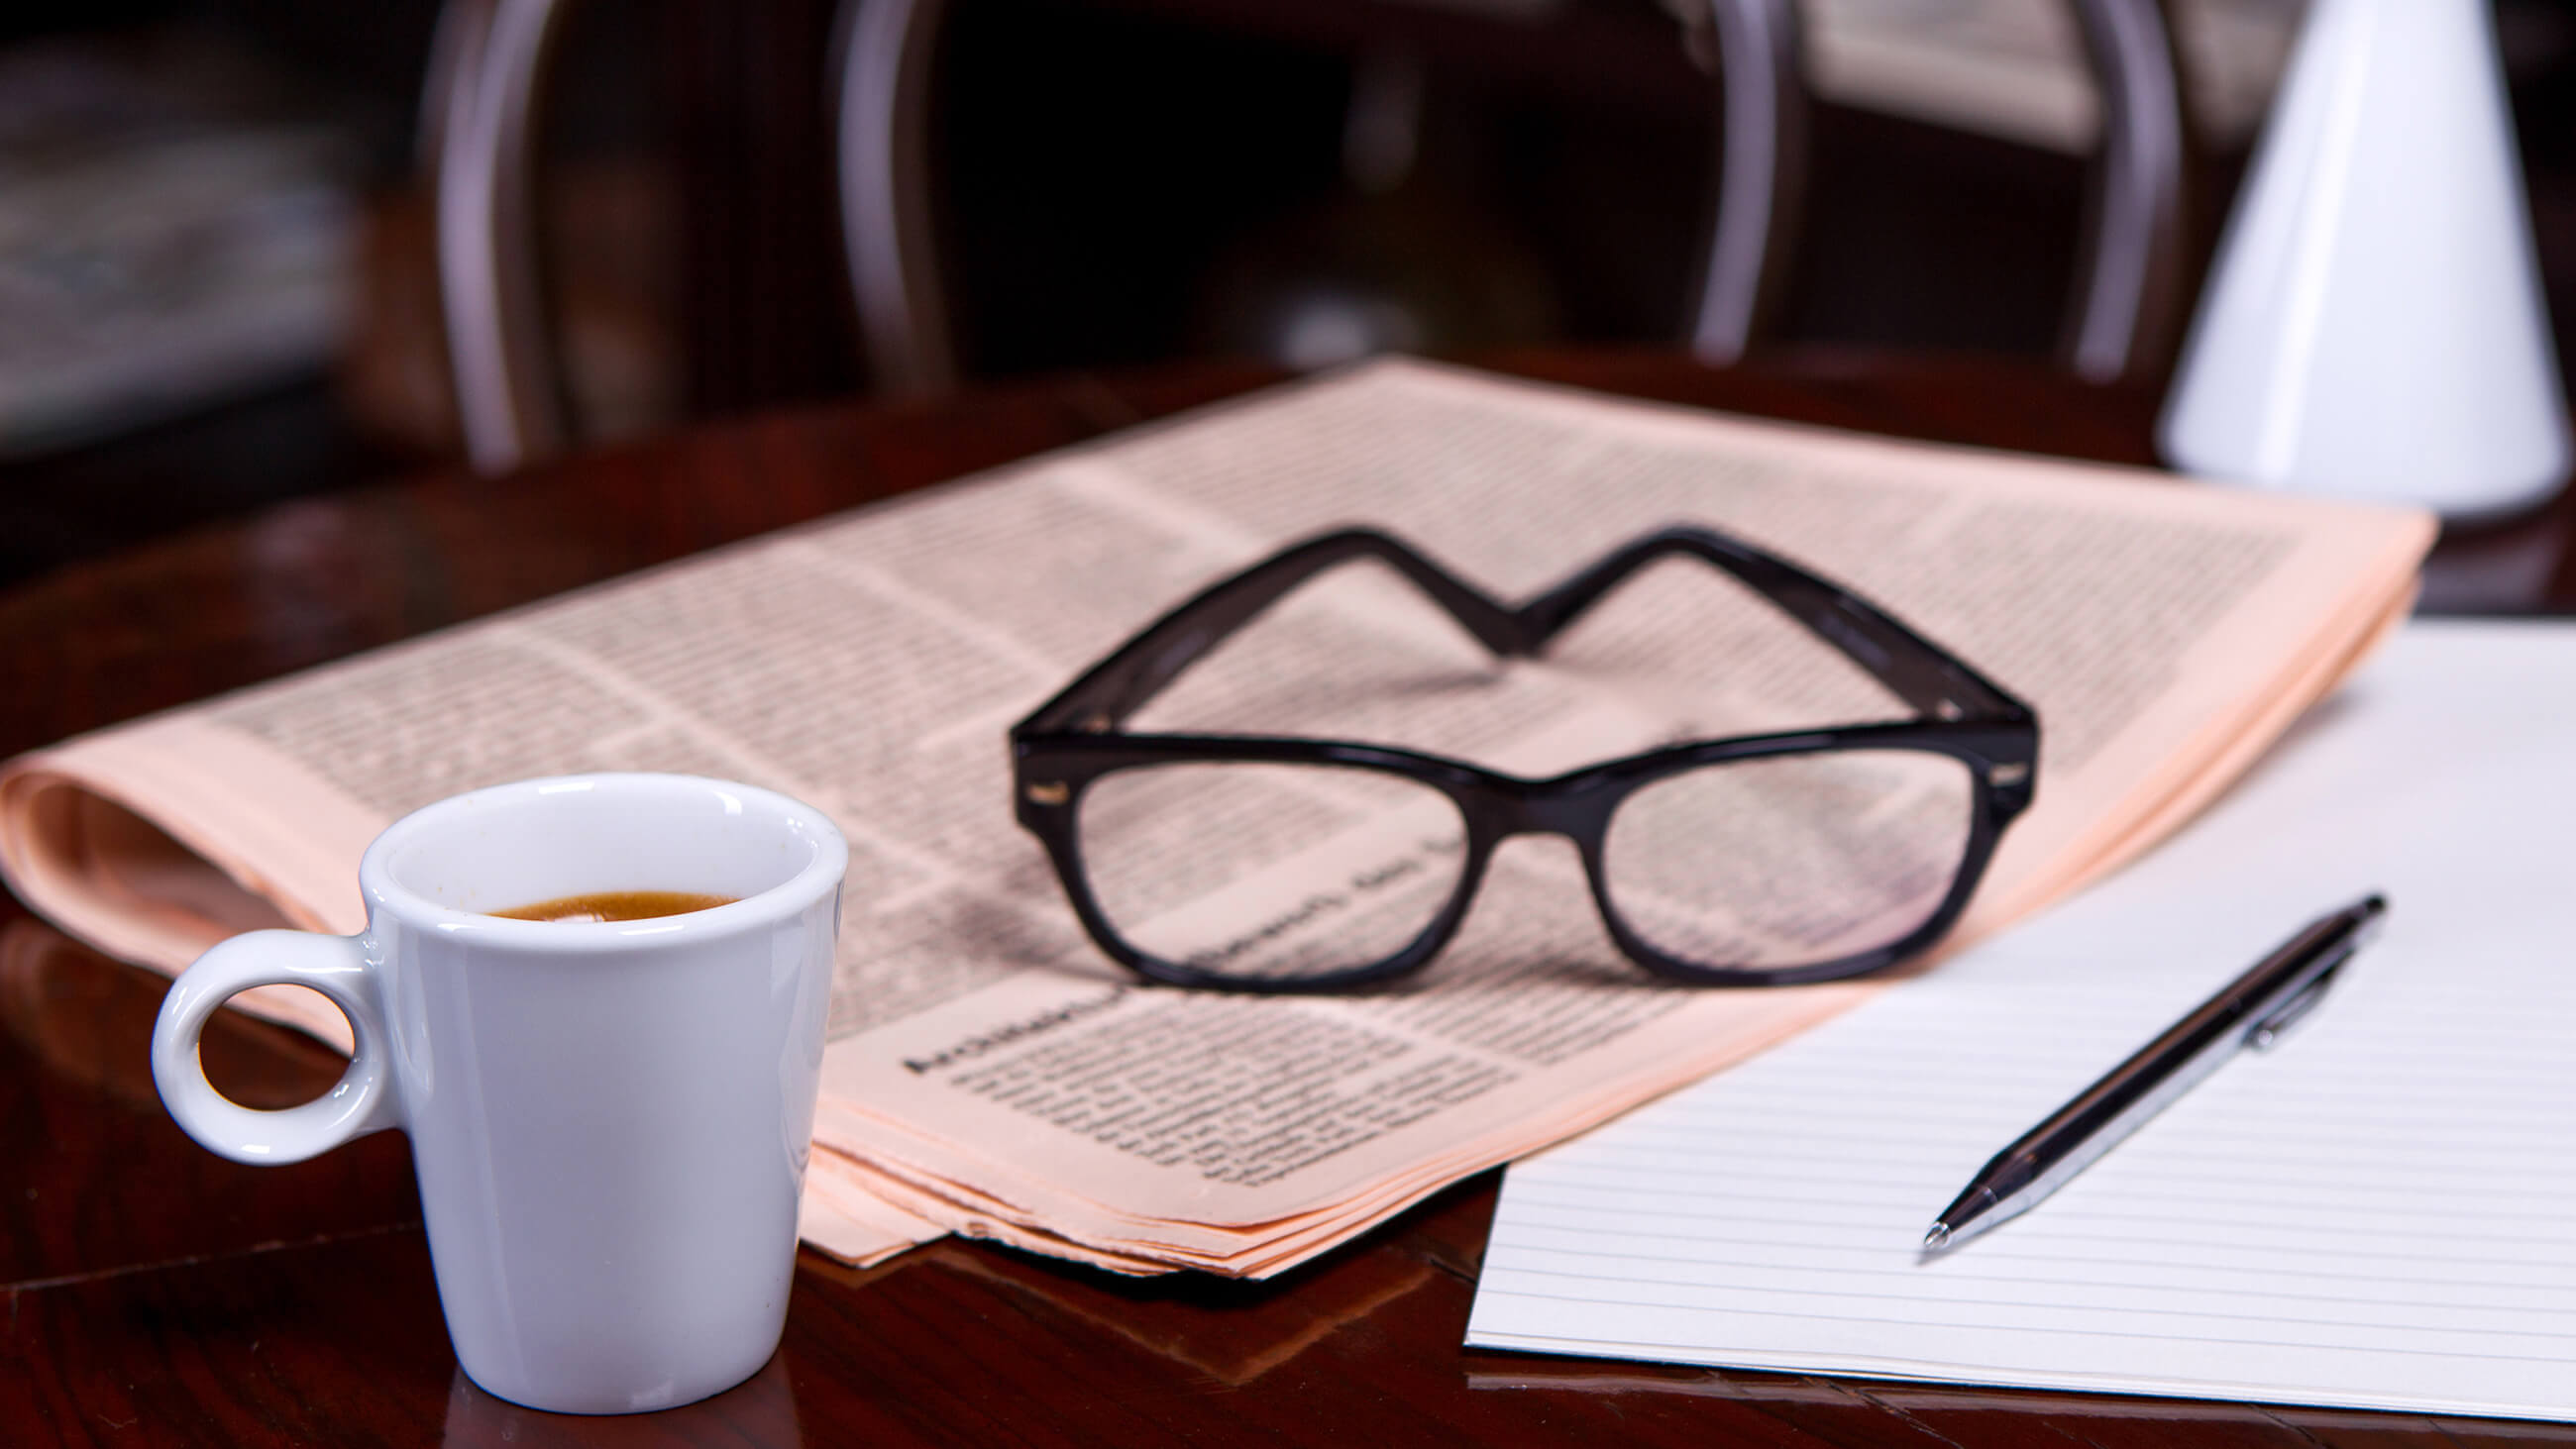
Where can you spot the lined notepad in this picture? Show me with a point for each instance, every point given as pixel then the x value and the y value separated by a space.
pixel 2379 1213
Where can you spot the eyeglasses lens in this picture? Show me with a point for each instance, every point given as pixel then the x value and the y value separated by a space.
pixel 1264 871
pixel 1790 860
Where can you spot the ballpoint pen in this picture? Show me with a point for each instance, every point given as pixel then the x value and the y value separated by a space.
pixel 2252 1010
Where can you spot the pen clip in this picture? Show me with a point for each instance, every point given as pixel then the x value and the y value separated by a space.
pixel 2267 1033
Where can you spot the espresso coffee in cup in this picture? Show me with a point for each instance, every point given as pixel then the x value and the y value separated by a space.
pixel 615 906
pixel 609 1117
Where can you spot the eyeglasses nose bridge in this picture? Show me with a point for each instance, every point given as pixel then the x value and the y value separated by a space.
pixel 1576 810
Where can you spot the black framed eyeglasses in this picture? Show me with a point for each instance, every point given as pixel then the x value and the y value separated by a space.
pixel 1279 864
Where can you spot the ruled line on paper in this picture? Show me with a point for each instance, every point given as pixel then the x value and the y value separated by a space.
pixel 2481 1353
pixel 2551 1292
pixel 2132 1302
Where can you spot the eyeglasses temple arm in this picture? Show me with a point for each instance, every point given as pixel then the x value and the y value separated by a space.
pixel 1121 684
pixel 1921 673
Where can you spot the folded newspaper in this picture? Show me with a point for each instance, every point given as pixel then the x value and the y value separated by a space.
pixel 989 1072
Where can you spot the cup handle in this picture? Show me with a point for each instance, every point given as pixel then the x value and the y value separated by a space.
pixel 361 1102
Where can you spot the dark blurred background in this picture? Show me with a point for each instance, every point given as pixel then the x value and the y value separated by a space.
pixel 218 278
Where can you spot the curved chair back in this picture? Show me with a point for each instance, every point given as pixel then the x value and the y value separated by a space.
pixel 487 62
pixel 491 56
pixel 2128 278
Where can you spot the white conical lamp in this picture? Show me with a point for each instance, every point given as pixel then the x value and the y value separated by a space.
pixel 2374 327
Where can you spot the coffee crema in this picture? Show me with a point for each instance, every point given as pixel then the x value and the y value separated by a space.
pixel 615 906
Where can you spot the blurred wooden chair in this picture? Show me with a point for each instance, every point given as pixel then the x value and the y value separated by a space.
pixel 2129 277
pixel 491 58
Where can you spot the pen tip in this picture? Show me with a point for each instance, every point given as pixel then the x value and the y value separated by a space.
pixel 1937 1239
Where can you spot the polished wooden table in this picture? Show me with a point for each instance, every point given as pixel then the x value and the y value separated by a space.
pixel 161 1295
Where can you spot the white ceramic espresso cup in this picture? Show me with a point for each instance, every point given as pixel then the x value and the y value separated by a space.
pixel 609 1120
